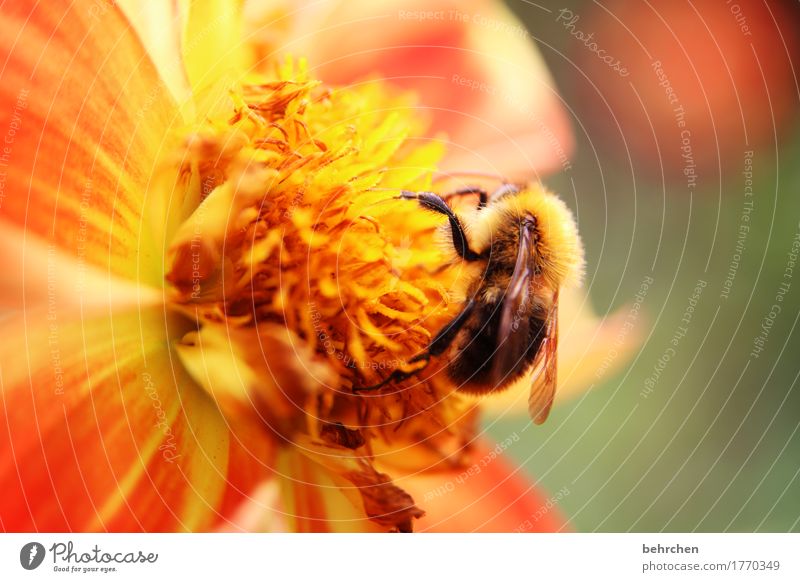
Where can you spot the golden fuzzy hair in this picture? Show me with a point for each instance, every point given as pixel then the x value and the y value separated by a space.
pixel 558 248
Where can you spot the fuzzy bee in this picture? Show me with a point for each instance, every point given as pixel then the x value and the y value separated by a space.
pixel 526 245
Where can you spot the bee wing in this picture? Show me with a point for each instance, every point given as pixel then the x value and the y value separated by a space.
pixel 513 333
pixel 543 388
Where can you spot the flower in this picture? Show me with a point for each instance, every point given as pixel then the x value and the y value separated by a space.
pixel 472 63
pixel 202 263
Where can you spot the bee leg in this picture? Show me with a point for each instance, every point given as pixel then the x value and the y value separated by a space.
pixel 440 342
pixel 431 201
pixel 397 375
pixel 483 195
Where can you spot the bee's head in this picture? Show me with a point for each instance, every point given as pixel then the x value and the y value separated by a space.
pixel 558 252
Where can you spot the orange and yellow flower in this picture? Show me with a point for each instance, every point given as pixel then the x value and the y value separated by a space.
pixel 203 255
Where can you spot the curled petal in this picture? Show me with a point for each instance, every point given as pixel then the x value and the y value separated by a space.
pixel 330 488
pixel 314 502
pixel 103 431
pixel 333 488
pixel 263 373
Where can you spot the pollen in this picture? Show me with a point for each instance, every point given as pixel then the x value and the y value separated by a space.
pixel 291 222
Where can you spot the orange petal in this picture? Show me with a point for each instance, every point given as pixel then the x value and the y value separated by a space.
pixel 473 64
pixel 102 430
pixel 267 374
pixel 83 113
pixel 591 349
pixel 489 496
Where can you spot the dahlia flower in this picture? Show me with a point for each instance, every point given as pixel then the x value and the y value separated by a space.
pixel 203 255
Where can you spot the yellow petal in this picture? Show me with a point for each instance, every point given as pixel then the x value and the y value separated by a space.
pixel 212 43
pixel 39 274
pixel 263 373
pixel 261 511
pixel 160 27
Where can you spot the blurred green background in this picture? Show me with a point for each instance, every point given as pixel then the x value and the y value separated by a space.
pixel 715 446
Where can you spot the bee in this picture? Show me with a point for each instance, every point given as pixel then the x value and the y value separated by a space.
pixel 525 243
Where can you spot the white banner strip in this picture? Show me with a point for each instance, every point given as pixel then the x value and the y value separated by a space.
pixel 390 557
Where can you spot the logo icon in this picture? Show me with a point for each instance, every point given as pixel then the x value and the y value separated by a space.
pixel 31 555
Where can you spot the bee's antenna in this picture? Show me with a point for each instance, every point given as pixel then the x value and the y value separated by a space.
pixel 403 194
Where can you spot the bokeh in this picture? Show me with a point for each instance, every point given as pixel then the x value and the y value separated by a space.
pixel 685 181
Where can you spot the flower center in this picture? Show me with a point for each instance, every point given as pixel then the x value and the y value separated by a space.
pixel 296 226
